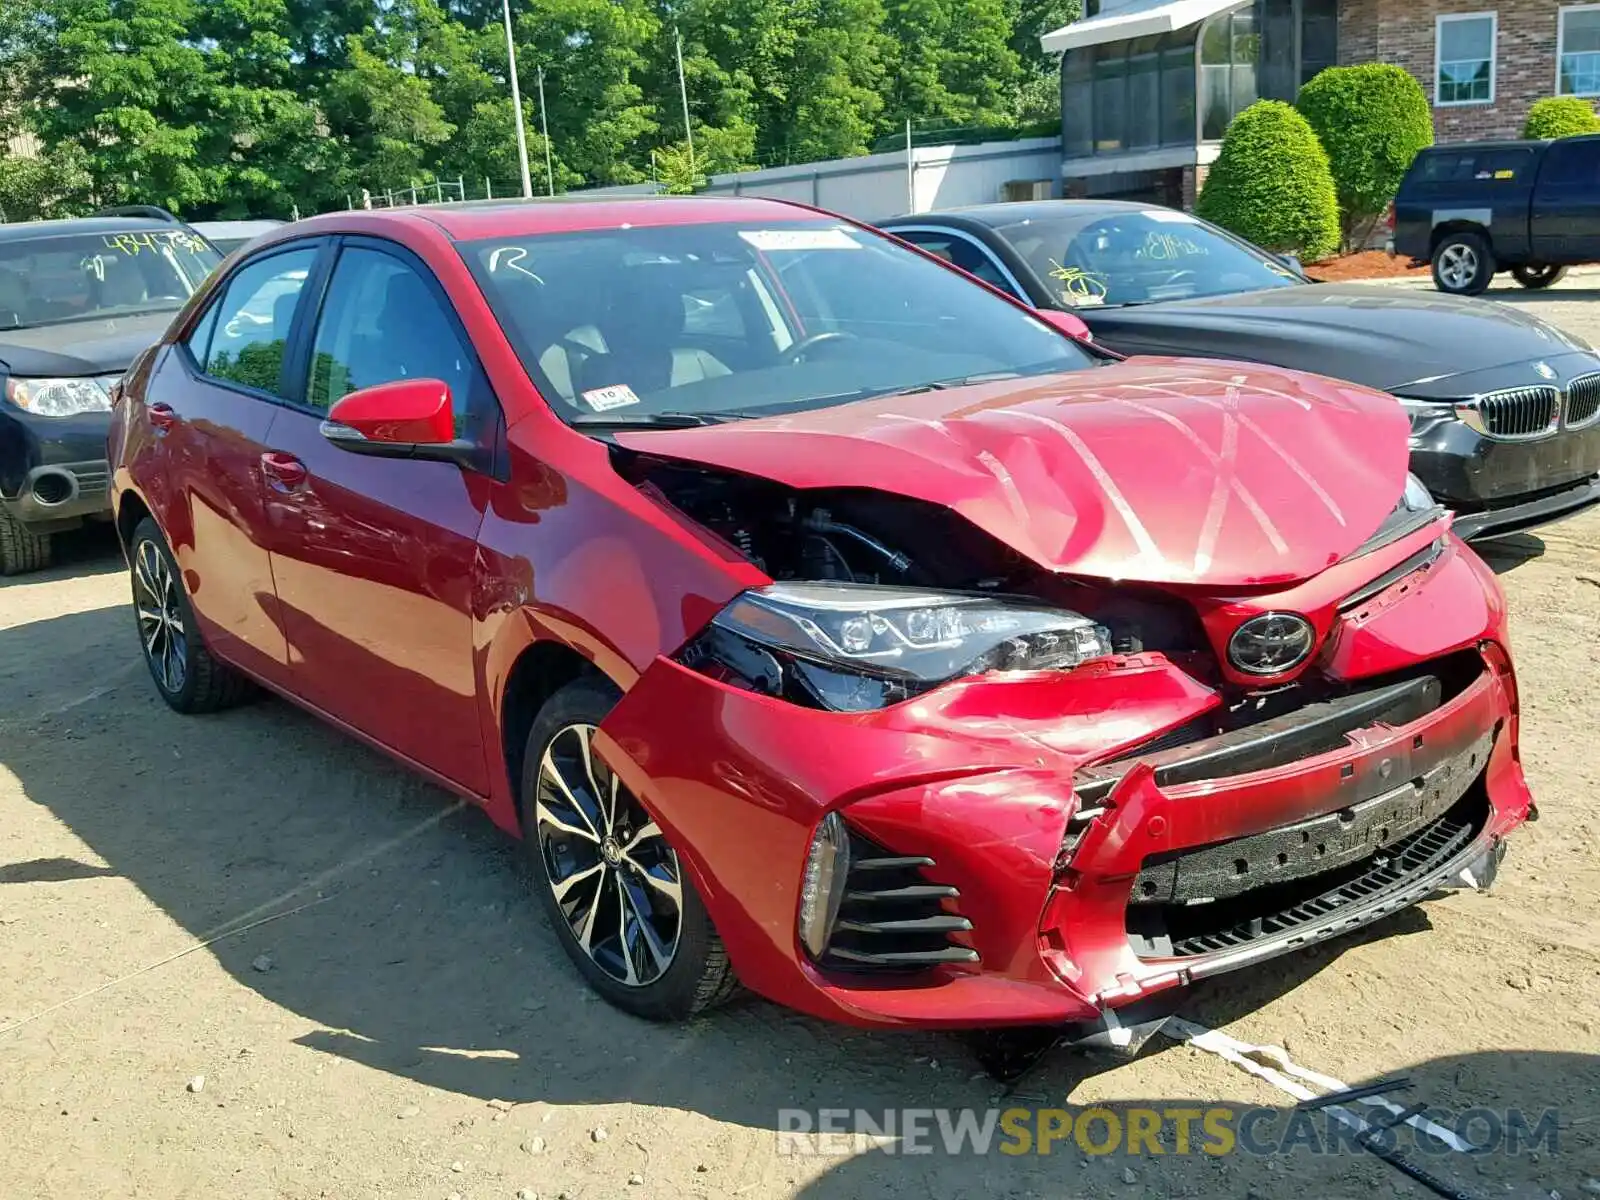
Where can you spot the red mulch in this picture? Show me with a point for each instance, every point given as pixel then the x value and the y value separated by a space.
pixel 1369 264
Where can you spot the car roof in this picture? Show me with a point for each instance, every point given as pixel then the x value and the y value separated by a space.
pixel 237 228
pixel 1500 144
pixel 1015 212
pixel 562 214
pixel 21 231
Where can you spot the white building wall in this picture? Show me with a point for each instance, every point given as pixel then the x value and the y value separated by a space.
pixel 876 186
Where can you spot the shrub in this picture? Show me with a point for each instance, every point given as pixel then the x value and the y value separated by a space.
pixel 1559 117
pixel 1270 184
pixel 1372 120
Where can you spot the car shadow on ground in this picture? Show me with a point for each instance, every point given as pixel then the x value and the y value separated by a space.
pixel 411 943
pixel 1510 552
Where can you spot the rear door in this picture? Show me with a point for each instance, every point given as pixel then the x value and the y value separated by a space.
pixel 1566 203
pixel 374 558
pixel 211 403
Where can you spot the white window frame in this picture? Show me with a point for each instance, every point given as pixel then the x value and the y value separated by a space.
pixel 1439 23
pixel 1561 37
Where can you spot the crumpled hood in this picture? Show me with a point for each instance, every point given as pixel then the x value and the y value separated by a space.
pixel 94 347
pixel 1382 336
pixel 1181 471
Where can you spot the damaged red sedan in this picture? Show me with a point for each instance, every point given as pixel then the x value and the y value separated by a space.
pixel 821 620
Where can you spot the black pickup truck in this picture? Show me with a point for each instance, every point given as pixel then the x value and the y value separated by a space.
pixel 1531 208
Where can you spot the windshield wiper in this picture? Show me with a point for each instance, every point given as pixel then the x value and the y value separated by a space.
pixel 644 420
pixel 938 385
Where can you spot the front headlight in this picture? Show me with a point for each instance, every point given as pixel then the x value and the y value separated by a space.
pixel 59 397
pixel 852 647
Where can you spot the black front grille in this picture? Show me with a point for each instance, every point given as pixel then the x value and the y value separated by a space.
pixel 893 916
pixel 1518 412
pixel 92 481
pixel 1583 400
pixel 1184 931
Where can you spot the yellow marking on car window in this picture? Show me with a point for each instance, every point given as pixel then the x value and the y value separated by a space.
pixel 1077 285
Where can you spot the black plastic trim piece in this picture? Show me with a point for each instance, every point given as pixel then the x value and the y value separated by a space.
pixel 1314 729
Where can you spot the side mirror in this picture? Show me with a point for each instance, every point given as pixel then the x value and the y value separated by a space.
pixel 1292 261
pixel 1066 322
pixel 406 418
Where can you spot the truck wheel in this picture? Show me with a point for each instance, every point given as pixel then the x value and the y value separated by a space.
pixel 20 550
pixel 1463 264
pixel 1538 275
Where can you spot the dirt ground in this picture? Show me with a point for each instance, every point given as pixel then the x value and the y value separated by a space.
pixel 1368 264
pixel 351 963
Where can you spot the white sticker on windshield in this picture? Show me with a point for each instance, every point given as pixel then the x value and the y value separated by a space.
pixel 800 239
pixel 1171 215
pixel 618 395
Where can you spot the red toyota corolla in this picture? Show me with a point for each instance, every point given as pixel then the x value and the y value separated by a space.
pixel 819 618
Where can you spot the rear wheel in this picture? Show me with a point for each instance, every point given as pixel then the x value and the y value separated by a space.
pixel 189 679
pixel 20 550
pixel 612 886
pixel 1538 275
pixel 1463 264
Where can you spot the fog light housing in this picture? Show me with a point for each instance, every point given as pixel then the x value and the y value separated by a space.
pixel 822 887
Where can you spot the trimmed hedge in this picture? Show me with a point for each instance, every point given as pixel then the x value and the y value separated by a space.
pixel 1559 117
pixel 1271 185
pixel 1372 120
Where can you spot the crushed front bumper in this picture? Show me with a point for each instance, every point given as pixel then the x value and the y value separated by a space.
pixel 983 780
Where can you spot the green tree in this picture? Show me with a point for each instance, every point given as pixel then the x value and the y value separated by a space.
pixel 950 61
pixel 1039 91
pixel 385 115
pixel 1559 117
pixel 1271 184
pixel 593 54
pixel 124 81
pixel 1371 119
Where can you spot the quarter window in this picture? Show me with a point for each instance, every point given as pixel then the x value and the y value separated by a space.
pixel 1465 46
pixel 243 340
pixel 381 322
pixel 1578 51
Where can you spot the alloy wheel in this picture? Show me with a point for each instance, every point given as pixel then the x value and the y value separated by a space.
pixel 1458 266
pixel 161 628
pixel 615 879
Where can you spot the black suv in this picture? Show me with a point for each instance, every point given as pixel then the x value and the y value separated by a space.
pixel 1531 208
pixel 78 299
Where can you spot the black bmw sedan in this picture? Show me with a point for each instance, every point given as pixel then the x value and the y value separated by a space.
pixel 1505 408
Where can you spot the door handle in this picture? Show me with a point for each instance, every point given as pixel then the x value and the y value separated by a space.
pixel 162 418
pixel 284 470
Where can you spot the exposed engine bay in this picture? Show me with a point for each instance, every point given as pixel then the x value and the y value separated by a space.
pixel 863 536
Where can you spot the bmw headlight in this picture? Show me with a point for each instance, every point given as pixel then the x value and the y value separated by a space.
pixel 851 647
pixel 59 397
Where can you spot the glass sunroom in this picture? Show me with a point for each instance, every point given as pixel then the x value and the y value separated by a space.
pixel 1143 76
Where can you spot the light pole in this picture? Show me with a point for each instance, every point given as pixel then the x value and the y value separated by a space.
pixel 516 103
pixel 544 128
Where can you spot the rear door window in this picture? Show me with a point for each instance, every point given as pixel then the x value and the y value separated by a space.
pixel 244 339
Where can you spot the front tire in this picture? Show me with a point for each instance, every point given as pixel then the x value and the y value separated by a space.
pixel 613 888
pixel 1463 264
pixel 189 679
pixel 21 551
pixel 1538 275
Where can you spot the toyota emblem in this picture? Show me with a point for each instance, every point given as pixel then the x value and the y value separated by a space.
pixel 1271 644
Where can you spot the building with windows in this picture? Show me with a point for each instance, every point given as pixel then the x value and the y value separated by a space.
pixel 1149 86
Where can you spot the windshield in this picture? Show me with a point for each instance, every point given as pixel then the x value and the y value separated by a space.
pixel 46 280
pixel 1139 257
pixel 717 321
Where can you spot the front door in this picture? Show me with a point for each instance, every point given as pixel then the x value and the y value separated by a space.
pixel 1566 203
pixel 212 403
pixel 374 559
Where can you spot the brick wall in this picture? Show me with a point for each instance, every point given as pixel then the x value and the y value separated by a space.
pixel 1402 31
